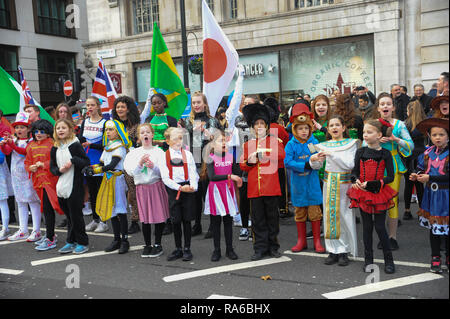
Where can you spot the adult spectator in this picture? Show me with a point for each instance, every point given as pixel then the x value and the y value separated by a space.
pixel 404 90
pixel 363 91
pixel 442 85
pixel 422 97
pixel 33 112
pixel 401 101
pixel 365 107
pixel 433 90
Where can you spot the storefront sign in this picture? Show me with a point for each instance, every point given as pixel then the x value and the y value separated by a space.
pixel 107 53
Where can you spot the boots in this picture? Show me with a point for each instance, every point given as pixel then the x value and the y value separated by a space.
pixel 301 233
pixel 389 267
pixel 316 234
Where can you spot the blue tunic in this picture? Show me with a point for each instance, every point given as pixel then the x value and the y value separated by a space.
pixel 435 201
pixel 305 185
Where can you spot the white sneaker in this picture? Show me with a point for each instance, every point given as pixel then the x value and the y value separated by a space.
pixel 34 236
pixel 101 228
pixel 243 234
pixel 87 209
pixel 414 198
pixel 18 235
pixel 4 234
pixel 92 226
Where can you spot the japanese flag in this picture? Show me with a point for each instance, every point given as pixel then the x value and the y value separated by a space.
pixel 220 60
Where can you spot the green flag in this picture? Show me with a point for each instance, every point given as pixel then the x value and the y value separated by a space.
pixel 164 76
pixel 11 98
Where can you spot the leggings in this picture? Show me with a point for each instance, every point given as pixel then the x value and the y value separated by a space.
pixel 5 213
pixel 409 185
pixel 368 222
pixel 49 214
pixel 147 232
pixel 120 226
pixel 35 208
pixel 228 230
pixel 187 234
pixel 435 242
pixel 244 205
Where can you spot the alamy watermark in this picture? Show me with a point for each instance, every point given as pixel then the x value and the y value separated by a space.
pixel 73 17
pixel 73 279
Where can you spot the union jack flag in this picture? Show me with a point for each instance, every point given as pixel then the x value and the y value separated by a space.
pixel 104 89
pixel 25 89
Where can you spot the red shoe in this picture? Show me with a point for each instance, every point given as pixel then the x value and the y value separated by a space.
pixel 301 233
pixel 316 235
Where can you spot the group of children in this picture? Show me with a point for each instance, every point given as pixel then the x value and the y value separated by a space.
pixel 166 182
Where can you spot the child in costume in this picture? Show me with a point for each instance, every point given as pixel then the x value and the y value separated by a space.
pixel 67 160
pixel 5 192
pixel 306 194
pixel 152 200
pixel 221 203
pixel 24 192
pixel 433 171
pixel 398 143
pixel 339 220
pixel 372 194
pixel 111 198
pixel 37 164
pixel 179 174
pixel 260 159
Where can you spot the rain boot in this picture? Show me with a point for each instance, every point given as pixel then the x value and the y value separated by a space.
pixel 301 233
pixel 315 225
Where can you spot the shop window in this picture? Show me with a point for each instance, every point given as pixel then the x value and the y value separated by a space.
pixel 144 14
pixel 52 65
pixel 8 18
pixel 50 17
pixel 9 60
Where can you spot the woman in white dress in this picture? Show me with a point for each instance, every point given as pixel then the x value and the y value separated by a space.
pixel 338 219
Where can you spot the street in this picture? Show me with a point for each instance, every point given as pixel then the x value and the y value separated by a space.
pixel 27 273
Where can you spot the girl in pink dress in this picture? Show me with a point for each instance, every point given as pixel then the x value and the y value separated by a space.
pixel 220 200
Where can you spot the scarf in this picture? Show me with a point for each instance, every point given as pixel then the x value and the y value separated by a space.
pixel 65 182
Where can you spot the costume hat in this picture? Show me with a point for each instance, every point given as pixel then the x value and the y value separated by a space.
pixel 121 130
pixel 436 102
pixel 301 115
pixel 425 126
pixel 254 112
pixel 274 108
pixel 22 118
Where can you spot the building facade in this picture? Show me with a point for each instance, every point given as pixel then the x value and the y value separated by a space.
pixel 45 38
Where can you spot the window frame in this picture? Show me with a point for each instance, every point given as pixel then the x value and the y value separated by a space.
pixel 154 13
pixel 11 15
pixel 15 51
pixel 70 33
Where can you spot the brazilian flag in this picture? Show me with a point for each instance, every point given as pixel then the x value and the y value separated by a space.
pixel 164 76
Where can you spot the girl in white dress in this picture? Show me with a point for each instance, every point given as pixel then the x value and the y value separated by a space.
pixel 339 219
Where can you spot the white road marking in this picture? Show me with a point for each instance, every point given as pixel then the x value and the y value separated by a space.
pixel 75 256
pixel 227 268
pixel 10 271
pixel 223 297
pixel 377 261
pixel 91 233
pixel 383 285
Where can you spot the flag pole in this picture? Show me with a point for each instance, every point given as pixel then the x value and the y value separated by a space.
pixel 184 45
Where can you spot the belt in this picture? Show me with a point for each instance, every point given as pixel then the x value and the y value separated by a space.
pixel 344 177
pixel 435 186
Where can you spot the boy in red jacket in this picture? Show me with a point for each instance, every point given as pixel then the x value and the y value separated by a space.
pixel 260 159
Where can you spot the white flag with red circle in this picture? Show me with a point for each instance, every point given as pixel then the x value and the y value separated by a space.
pixel 220 60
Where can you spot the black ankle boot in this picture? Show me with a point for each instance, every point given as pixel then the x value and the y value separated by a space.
pixel 216 255
pixel 389 267
pixel 124 246
pixel 115 244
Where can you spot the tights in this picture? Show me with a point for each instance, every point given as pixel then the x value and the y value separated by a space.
pixel 120 226
pixel 35 208
pixel 368 222
pixel 49 214
pixel 147 232
pixel 409 185
pixel 435 242
pixel 5 213
pixel 228 230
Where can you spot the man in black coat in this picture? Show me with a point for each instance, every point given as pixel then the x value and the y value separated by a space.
pixel 401 102
pixel 424 99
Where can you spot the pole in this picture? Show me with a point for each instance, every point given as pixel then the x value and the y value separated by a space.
pixel 184 45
